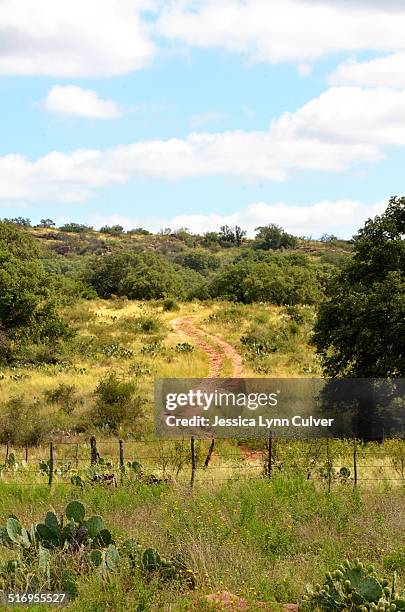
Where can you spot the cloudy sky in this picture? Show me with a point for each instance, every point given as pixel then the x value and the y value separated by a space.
pixel 195 113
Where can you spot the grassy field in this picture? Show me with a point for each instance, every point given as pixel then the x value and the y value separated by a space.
pixel 239 531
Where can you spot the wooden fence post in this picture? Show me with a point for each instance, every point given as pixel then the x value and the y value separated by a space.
pixel 209 454
pixel 121 443
pixel 26 453
pixel 94 456
pixel 329 465
pixel 270 456
pixel 355 462
pixel 193 462
pixel 7 450
pixel 50 464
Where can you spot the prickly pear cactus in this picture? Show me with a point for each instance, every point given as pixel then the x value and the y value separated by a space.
pixel 355 587
pixel 151 560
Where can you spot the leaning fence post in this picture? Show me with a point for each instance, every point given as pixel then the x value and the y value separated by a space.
pixel 26 453
pixel 50 464
pixel 355 462
pixel 209 454
pixel 193 462
pixel 94 456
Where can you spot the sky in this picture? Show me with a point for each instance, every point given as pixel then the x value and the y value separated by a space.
pixel 199 113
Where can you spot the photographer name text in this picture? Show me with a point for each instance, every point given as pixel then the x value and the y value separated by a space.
pixel 239 421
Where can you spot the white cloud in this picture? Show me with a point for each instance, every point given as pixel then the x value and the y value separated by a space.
pixel 388 71
pixel 343 217
pixel 334 132
pixel 76 176
pixel 348 115
pixel 78 102
pixel 285 30
pixel 74 38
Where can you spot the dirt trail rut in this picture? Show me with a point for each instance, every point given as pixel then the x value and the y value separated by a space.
pixel 216 356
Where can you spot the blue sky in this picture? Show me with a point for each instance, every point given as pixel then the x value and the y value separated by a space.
pixel 201 113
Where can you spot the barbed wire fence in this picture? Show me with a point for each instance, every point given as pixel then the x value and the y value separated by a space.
pixel 187 460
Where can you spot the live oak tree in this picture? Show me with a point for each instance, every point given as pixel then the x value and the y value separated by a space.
pixel 273 237
pixel 28 309
pixel 360 329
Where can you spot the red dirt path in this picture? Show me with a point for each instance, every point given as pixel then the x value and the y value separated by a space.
pixel 216 356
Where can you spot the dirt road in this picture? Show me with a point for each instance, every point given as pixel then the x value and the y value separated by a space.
pixel 217 353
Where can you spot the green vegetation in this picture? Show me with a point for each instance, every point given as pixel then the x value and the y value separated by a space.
pixel 30 327
pixel 260 540
pixel 54 554
pixel 355 587
pixel 89 319
pixel 361 325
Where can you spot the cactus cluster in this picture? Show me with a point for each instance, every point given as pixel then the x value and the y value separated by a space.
pixel 354 586
pixel 61 547
pixel 75 532
pixel 151 562
pixel 69 535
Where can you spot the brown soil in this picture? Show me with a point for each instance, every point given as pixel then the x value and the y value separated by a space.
pixel 216 354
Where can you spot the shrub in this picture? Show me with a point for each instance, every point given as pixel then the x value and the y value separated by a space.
pixel 75 228
pixel 395 562
pixel 276 280
pixel 117 402
pixel 63 395
pixel 21 424
pixel 148 324
pixel 28 306
pixel 199 261
pixel 170 305
pixel 114 230
pixel 138 276
pixel 274 237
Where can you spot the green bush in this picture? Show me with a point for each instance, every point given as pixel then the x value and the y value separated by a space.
pixel 396 560
pixel 117 402
pixel 273 237
pixel 200 261
pixel 148 325
pixel 28 300
pixel 170 305
pixel 138 276
pixel 63 395
pixel 273 279
pixel 21 424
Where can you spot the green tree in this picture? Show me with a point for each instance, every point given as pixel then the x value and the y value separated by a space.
pixel 200 261
pixel 20 221
pixel 273 237
pixel 140 231
pixel 46 223
pixel 141 276
pixel 231 235
pixel 277 282
pixel 75 228
pixel 28 305
pixel 114 230
pixel 360 328
pixel 151 278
